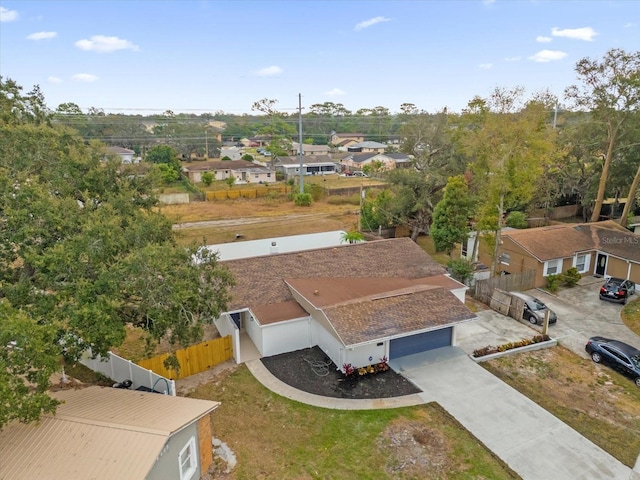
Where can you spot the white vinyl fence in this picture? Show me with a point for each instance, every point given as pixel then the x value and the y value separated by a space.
pixel 119 369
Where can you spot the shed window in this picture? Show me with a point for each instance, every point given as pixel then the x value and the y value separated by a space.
pixel 552 267
pixel 187 460
pixel 505 258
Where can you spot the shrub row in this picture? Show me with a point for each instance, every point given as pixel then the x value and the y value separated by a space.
pixel 490 349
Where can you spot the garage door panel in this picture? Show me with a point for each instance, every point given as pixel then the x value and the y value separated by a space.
pixel 400 347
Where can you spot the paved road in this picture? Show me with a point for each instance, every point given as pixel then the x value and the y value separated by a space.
pixel 529 439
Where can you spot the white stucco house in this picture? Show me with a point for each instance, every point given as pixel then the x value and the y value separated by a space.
pixel 360 303
pixel 126 155
pixel 241 170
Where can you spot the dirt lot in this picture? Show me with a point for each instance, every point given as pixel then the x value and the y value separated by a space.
pixel 246 219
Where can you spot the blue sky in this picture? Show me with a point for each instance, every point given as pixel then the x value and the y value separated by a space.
pixel 204 56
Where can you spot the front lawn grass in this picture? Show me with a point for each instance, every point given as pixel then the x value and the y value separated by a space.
pixel 631 315
pixel 594 400
pixel 274 437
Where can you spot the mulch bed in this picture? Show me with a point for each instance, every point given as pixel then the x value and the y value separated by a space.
pixel 310 370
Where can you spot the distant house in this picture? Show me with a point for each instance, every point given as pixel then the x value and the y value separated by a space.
pixel 309 149
pixel 105 433
pixel 357 161
pixel 604 249
pixel 241 170
pixel 311 165
pixel 367 147
pixel 402 160
pixel 346 139
pixel 360 303
pixel 232 152
pixel 126 155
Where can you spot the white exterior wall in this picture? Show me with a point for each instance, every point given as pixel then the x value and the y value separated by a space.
pixel 286 336
pixel 327 343
pixel 255 332
pixel 225 327
pixel 368 354
pixel 264 177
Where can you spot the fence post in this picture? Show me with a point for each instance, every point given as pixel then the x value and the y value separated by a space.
pixel 111 365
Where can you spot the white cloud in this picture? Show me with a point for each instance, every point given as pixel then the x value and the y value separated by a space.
pixel 485 66
pixel 541 39
pixel 630 25
pixel 371 22
pixel 7 15
pixel 585 33
pixel 42 35
pixel 336 92
pixel 512 59
pixel 544 56
pixel 54 80
pixel 269 71
pixel 84 77
pixel 488 2
pixel 102 44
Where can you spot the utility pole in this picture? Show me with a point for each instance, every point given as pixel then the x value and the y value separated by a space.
pixel 300 140
pixel 555 116
pixel 206 142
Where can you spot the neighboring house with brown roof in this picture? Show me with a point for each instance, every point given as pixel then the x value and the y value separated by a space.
pixel 311 165
pixel 105 433
pixel 241 170
pixel 604 249
pixel 359 302
pixel 346 139
pixel 309 149
pixel 366 147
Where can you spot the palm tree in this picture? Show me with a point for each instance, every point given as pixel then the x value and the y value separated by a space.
pixel 352 237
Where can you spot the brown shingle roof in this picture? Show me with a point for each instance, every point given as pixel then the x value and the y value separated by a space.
pixel 562 241
pixel 396 315
pixel 368 309
pixel 323 292
pixel 260 280
pixel 278 312
pixel 218 165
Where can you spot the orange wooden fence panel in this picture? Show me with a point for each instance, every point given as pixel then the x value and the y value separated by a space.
pixel 193 359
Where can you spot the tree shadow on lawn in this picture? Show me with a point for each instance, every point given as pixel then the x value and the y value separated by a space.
pixel 310 370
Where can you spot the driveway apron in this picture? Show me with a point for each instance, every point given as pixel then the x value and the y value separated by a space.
pixel 529 439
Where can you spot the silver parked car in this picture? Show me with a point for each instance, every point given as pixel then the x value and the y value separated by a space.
pixel 534 309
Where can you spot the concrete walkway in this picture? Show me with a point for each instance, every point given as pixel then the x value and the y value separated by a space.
pixel 534 443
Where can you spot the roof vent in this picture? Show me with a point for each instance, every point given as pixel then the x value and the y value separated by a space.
pixel 273 248
pixel 578 228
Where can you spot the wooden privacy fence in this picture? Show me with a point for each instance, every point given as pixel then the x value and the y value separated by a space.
pixel 507 304
pixel 254 192
pixel 193 359
pixel 514 282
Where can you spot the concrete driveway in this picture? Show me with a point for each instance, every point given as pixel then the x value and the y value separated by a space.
pixel 581 314
pixel 529 439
